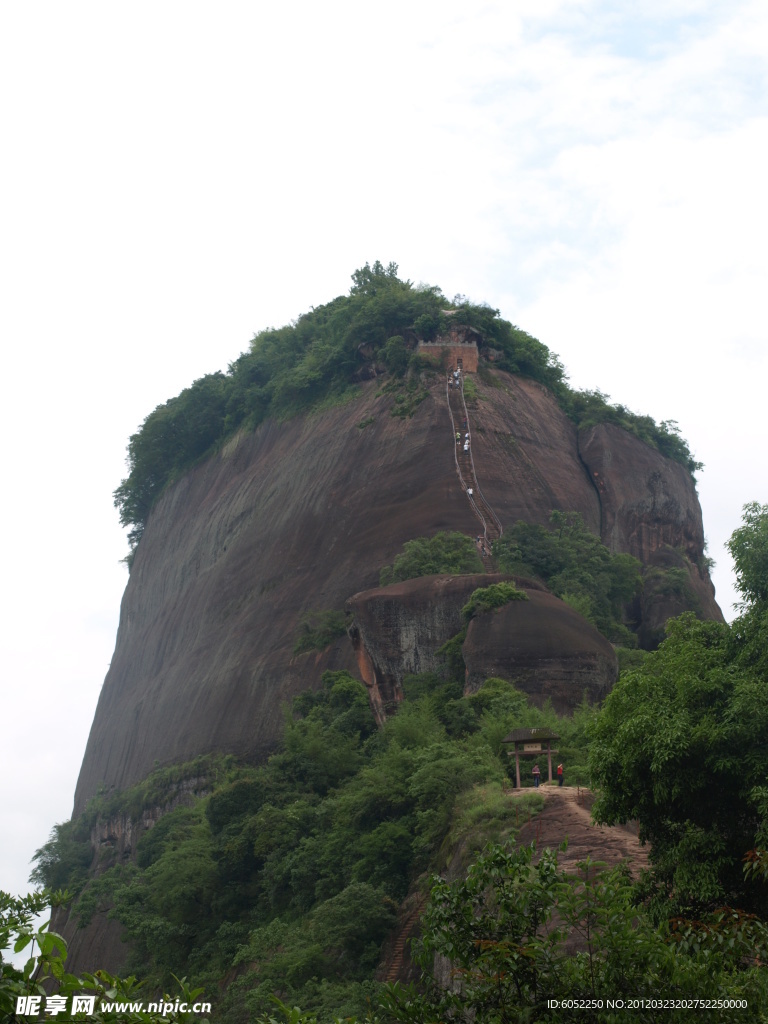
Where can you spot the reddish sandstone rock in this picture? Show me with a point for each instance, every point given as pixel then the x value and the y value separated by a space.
pixel 398 630
pixel 650 509
pixel 541 645
pixel 296 517
pixel 544 648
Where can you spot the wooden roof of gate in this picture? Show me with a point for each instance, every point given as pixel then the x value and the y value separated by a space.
pixel 530 736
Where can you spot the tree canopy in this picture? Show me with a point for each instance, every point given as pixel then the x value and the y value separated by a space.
pixel 577 567
pixel 286 877
pixel 445 552
pixel 680 746
pixel 44 981
pixel 318 358
pixel 749 549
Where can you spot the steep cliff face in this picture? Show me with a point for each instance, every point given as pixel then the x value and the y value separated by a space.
pixel 649 508
pixel 299 516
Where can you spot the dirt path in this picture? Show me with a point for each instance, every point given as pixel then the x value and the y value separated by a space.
pixel 566 815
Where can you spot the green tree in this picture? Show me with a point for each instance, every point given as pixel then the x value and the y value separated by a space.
pixel 485 599
pixel 64 861
pixel 368 278
pixel 679 746
pixel 577 567
pixel 44 975
pixel 518 931
pixel 395 355
pixel 318 630
pixel 749 549
pixel 427 556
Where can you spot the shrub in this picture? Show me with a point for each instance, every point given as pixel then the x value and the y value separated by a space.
pixel 318 630
pixel 427 556
pixel 485 599
pixel 395 356
pixel 577 567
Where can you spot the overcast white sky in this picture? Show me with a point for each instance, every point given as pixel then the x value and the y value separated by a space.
pixel 176 176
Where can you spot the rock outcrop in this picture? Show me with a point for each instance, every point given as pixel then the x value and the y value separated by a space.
pixel 541 645
pixel 297 517
pixel 545 648
pixel 114 840
pixel 398 630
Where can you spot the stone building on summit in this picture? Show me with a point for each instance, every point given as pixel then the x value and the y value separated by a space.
pixel 458 348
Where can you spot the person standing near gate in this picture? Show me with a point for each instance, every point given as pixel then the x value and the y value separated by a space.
pixel 559 775
pixel 536 775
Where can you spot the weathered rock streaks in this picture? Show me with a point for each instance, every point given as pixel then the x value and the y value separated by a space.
pixel 299 516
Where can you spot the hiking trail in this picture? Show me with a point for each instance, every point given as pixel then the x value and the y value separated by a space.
pixel 565 815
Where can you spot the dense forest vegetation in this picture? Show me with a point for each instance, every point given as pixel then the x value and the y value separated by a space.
pixel 574 565
pixel 319 358
pixel 285 878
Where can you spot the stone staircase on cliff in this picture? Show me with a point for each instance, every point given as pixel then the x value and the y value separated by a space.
pixel 465 467
pixel 406 932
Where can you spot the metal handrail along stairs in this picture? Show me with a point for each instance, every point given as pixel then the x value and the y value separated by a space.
pixel 465 468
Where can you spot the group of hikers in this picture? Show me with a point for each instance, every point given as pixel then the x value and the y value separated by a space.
pixel 537 775
pixel 454 379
